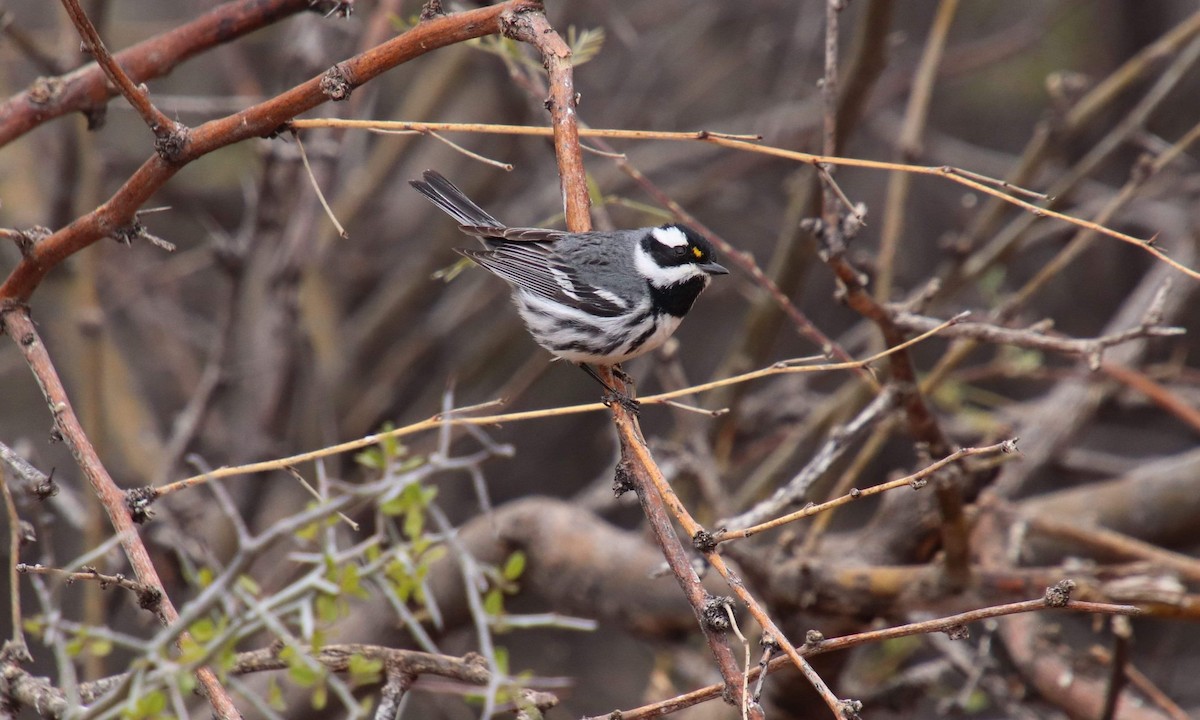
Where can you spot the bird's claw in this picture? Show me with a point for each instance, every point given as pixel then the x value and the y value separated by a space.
pixel 621 375
pixel 633 407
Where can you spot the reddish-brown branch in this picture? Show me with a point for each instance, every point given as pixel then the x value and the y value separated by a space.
pixel 161 125
pixel 86 88
pixel 653 482
pixel 680 563
pixel 16 322
pixel 256 121
pixel 1156 392
pixel 535 29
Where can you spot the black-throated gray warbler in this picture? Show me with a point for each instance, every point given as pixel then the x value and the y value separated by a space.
pixel 594 297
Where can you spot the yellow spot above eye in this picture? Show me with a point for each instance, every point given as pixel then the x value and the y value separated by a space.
pixel 697 252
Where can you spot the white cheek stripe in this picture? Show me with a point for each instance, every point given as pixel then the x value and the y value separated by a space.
pixel 662 276
pixel 670 236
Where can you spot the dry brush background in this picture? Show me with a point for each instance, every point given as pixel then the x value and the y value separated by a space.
pixel 264 334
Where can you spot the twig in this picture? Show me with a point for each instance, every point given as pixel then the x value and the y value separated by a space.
pixel 838 442
pixel 916 480
pixel 1083 239
pixel 637 468
pixel 1035 337
pixel 846 642
pixel 41 59
pixel 989 186
pixel 1098 538
pixel 15 649
pixel 852 208
pixel 18 325
pixel 1004 241
pixel 253 122
pixel 497 129
pixel 1122 633
pixel 507 167
pixel 909 146
pixel 50 98
pixel 955 176
pixel 162 126
pixel 438 421
pixel 1156 392
pixel 647 472
pixel 317 188
pixel 336 658
pixel 147 595
pixel 534 29
pixel 1146 686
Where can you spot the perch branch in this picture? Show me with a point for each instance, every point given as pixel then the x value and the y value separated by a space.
pixel 18 325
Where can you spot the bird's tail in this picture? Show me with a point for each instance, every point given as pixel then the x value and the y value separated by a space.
pixel 452 201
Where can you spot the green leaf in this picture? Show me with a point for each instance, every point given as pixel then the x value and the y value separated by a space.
pixel 435 553
pixel 976 703
pixel 149 705
pixel 203 630
pixel 349 581
pixel 328 607
pixel 304 674
pixel 248 584
pixel 187 684
pixel 414 522
pixel 364 671
pixel 320 697
pixel 308 532
pixel 493 602
pixel 100 647
pixel 34 625
pixel 411 463
pixel 75 646
pixel 275 695
pixel 370 458
pixel 585 44
pixel 189 650
pixel 514 566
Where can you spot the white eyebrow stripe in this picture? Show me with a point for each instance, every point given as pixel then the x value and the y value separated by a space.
pixel 670 236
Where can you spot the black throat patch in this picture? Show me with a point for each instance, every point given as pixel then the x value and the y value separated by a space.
pixel 676 299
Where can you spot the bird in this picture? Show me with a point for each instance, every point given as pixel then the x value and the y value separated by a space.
pixel 591 298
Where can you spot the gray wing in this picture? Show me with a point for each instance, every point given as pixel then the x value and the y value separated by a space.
pixel 516 235
pixel 534 267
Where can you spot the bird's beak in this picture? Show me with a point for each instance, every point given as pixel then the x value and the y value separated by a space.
pixel 713 268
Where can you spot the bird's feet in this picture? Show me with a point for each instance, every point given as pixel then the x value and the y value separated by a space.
pixel 613 395
pixel 633 407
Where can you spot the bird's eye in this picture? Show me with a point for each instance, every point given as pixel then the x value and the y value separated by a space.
pixel 679 251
